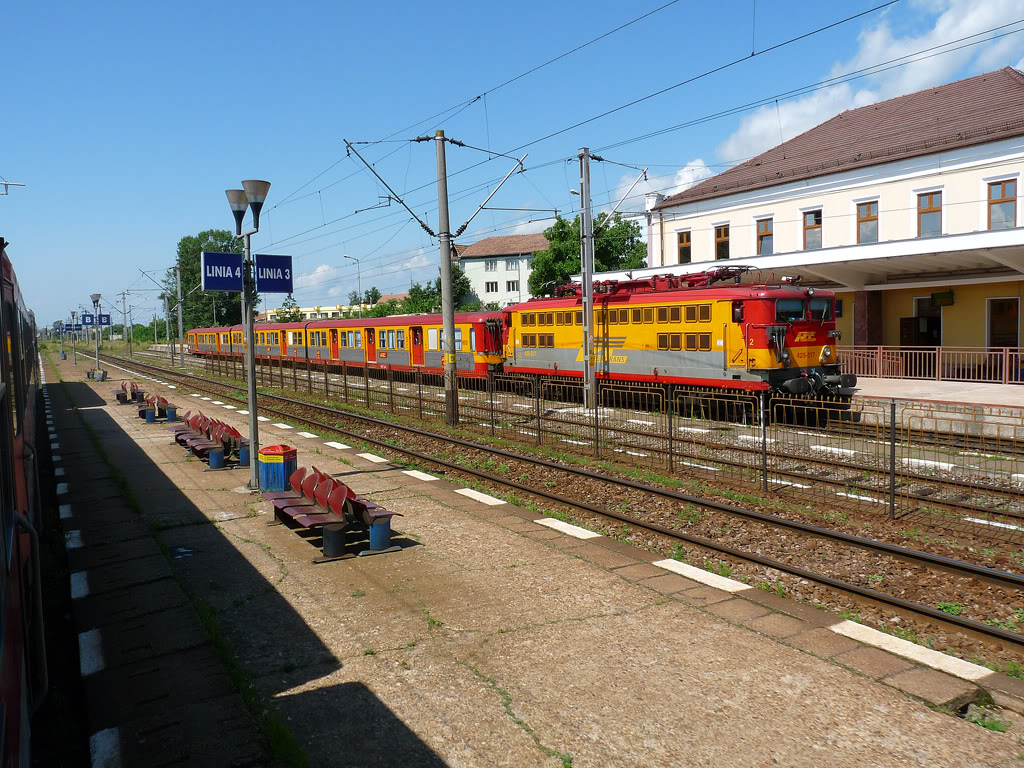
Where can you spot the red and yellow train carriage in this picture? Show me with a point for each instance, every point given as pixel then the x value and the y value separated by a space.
pixel 687 331
pixel 398 342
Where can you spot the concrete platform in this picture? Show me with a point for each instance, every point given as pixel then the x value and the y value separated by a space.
pixel 493 639
pixel 946 391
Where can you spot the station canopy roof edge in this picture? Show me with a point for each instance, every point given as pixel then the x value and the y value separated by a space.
pixel 972 257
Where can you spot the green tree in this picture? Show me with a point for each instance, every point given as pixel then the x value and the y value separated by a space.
pixel 617 245
pixel 371 296
pixel 198 306
pixel 426 297
pixel 289 310
pixel 353 298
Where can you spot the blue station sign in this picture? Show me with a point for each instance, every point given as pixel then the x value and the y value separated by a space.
pixel 273 273
pixel 102 319
pixel 75 327
pixel 88 319
pixel 221 271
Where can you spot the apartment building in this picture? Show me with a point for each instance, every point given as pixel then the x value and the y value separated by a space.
pixel 499 267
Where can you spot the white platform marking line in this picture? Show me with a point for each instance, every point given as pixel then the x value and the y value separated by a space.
pixel 934 659
pixel 702 576
pixel 339 446
pixel 306 434
pixel 263 418
pixel 171 386
pixel 372 457
pixel 246 413
pixel 483 498
pixel 230 407
pixel 205 398
pixel 62 489
pixel 90 652
pixel 787 482
pixel 699 466
pixel 105 748
pixel 282 425
pixel 195 394
pixel 862 498
pixel 73 540
pixel 65 511
pixel 418 475
pixel 58 472
pixel 928 463
pixel 834 450
pixel 79 585
pixel 217 402
pixel 993 523
pixel 567 528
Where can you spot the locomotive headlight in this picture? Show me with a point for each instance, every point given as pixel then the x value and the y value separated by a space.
pixel 826 352
pixel 785 356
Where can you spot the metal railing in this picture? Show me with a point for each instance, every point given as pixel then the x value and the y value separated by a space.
pixel 993 365
pixel 952 465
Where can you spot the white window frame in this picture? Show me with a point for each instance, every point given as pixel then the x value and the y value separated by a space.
pixel 491 265
pixel 511 265
pixel 511 286
pixel 432 339
pixel 488 289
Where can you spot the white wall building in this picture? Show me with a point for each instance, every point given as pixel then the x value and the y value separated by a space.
pixel 499 267
pixel 910 209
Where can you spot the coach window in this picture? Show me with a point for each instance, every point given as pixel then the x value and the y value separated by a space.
pixel 675 342
pixel 432 338
pixel 704 342
pixel 623 316
pixel 691 342
pixel 579 318
pixel 613 317
pixel 662 314
pixel 683 247
pixel 722 242
pixel 458 339
pixel 343 339
pixel 359 339
pixel 472 339
pixel 391 340
pixel 382 339
pixel 789 310
pixel 649 314
pixel 663 341
pixel 400 339
pixel 812 230
pixel 704 313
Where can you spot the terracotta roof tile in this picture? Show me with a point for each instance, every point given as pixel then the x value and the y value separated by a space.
pixel 975 110
pixel 505 245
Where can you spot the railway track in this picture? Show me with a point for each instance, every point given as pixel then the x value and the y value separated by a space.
pixel 327 419
pixel 965 499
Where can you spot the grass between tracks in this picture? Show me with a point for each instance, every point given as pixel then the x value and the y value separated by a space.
pixel 280 740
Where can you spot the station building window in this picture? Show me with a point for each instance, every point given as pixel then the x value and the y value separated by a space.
pixel 491 287
pixel 812 230
pixel 929 214
pixel 683 250
pixel 867 222
pixel 722 242
pixel 1002 204
pixel 765 237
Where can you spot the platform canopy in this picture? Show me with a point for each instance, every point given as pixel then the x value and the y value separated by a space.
pixel 974 257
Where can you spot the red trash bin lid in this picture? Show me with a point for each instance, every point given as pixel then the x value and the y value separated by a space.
pixel 276 450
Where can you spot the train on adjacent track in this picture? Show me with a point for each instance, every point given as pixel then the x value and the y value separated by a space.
pixel 703 331
pixel 23 676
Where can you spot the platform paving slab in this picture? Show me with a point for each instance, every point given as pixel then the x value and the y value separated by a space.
pixel 610 677
pixel 873 662
pixel 100 608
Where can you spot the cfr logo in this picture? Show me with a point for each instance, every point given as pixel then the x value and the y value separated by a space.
pixel 804 336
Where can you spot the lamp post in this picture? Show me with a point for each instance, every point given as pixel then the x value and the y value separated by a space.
pixel 96 321
pixel 252 195
pixel 359 283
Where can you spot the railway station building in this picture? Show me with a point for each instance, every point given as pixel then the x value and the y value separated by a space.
pixel 910 209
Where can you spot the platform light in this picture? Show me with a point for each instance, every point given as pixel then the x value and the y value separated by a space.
pixel 238 202
pixel 256 191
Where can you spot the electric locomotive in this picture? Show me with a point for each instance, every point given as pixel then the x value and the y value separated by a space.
pixel 687 330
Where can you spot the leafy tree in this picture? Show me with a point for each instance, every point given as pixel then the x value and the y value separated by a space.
pixel 371 296
pixel 198 306
pixel 289 311
pixel 616 246
pixel 425 298
pixel 389 307
pixel 353 298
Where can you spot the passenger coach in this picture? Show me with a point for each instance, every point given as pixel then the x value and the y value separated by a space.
pixel 398 342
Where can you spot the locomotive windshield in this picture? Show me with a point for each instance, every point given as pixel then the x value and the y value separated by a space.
pixel 821 309
pixel 789 310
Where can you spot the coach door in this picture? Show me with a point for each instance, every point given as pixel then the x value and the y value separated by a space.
pixel 334 343
pixel 371 344
pixel 417 345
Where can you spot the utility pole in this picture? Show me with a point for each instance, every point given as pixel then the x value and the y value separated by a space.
pixel 181 319
pixel 167 327
pixel 155 339
pixel 74 337
pixel 124 321
pixel 587 262
pixel 451 399
pixel 131 332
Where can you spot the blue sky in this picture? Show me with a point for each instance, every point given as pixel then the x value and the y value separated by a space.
pixel 127 121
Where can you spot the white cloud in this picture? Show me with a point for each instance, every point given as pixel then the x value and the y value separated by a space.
pixel 532 227
pixel 949 20
pixel 668 184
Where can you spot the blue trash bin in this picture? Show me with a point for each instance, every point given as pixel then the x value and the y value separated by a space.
pixel 277 463
pixel 151 415
pixel 216 456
